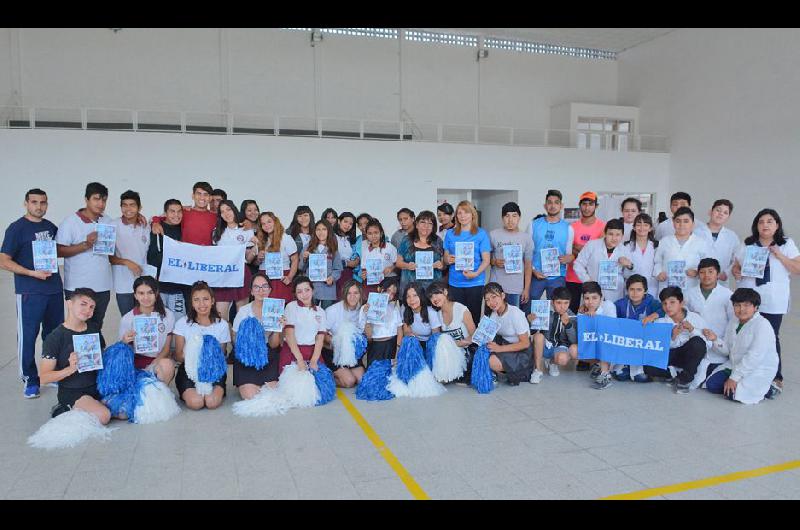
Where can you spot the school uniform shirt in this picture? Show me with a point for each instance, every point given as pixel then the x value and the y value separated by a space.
pixel 582 235
pixel 752 357
pixel 665 228
pixel 165 326
pixel 219 329
pixel 333 267
pixel 392 320
pixel 500 237
pixel 587 265
pixel 695 320
pixel 58 346
pixel 421 329
pixel 243 313
pixel 85 269
pixel 307 322
pixel 481 244
pixel 336 315
pixel 775 299
pixel 716 310
pixel 132 243
pixel 457 328
pixel 287 248
pixel 669 249
pixel 545 234
pixel 387 255
pixel 512 324
pixel 18 245
pixel 643 262
pixel 197 226
pixel 722 248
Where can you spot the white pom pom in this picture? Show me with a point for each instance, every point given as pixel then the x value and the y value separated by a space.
pixel 204 389
pixel 158 404
pixel 344 353
pixel 421 385
pixel 68 430
pixel 298 388
pixel 191 356
pixel 268 402
pixel 450 362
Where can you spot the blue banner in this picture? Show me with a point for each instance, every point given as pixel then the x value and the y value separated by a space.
pixel 623 341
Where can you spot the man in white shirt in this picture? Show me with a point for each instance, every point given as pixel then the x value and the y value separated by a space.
pixel 712 301
pixel 678 200
pixel 130 256
pixel 722 242
pixel 688 345
pixel 75 240
pixel 678 255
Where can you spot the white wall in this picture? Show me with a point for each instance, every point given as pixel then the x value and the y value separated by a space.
pixel 728 100
pixel 281 172
pixel 272 72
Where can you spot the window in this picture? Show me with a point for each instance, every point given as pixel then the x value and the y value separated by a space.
pixel 603 133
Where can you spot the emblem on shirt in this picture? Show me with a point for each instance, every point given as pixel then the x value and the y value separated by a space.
pixel 43 236
pixel 318 318
pixel 585 237
pixel 549 235
pixel 240 238
pixel 161 327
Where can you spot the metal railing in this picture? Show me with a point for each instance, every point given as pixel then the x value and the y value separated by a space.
pixel 237 123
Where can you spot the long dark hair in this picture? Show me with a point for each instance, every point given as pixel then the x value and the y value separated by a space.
pixel 438 287
pixel 152 283
pixel 221 223
pixel 243 207
pixel 191 313
pixel 408 313
pixel 294 226
pixel 642 218
pixel 424 215
pixel 779 237
pixel 351 234
pixel 374 222
pixel 325 213
pixel 331 243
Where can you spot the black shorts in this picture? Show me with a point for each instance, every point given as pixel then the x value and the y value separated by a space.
pixel 380 350
pixel 327 356
pixel 518 365
pixel 68 396
pixel 183 383
pixel 247 375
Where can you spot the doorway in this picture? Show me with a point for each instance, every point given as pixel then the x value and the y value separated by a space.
pixel 489 203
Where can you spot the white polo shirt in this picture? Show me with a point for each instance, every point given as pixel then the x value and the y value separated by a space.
pixel 287 248
pixel 219 330
pixel 166 324
pixel 336 314
pixel 85 269
pixel 306 321
pixel 132 243
pixel 391 321
pixel 775 297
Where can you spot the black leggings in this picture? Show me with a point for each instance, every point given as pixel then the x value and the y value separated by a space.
pixel 776 320
pixel 472 297
pixel 686 357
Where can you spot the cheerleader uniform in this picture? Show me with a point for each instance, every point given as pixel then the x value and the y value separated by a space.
pixel 278 288
pixel 247 375
pixel 143 361
pixel 335 315
pixel 383 344
pixel 185 328
pixel 235 236
pixel 308 322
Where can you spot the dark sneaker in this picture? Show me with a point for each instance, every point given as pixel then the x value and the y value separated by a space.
pixel 58 409
pixel 622 375
pixel 642 378
pixel 603 381
pixel 31 391
pixel 582 366
pixel 595 371
pixel 774 390
pixel 681 388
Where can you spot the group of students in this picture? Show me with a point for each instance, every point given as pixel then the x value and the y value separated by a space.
pixel 727 341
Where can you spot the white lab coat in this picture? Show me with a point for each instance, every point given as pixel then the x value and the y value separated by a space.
pixel 587 266
pixel 683 337
pixel 775 298
pixel 664 229
pixel 643 263
pixel 692 251
pixel 753 359
pixel 723 249
pixel 716 310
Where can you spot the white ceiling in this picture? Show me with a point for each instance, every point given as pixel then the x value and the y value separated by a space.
pixel 611 39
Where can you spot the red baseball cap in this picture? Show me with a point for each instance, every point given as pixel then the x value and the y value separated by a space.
pixel 588 196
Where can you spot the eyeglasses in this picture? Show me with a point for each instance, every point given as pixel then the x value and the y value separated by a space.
pixel 264 287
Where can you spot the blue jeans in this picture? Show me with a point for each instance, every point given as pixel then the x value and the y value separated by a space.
pixel 540 286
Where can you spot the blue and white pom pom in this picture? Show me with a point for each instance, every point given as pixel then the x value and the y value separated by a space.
pixel 251 344
pixel 204 362
pixel 349 345
pixel 481 377
pixel 325 384
pixel 156 402
pixel 449 360
pixel 430 349
pixel 268 402
pixel 412 377
pixel 373 385
pixel 299 388
pixel 118 372
pixel 68 430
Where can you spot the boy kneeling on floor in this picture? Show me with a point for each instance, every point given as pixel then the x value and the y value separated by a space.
pixel 559 343
pixel 749 343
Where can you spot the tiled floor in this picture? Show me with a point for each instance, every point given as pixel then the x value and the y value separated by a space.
pixel 560 439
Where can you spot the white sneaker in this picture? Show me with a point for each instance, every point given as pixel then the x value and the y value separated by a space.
pixel 554 371
pixel 536 377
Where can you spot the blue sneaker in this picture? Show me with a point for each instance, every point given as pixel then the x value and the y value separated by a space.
pixel 622 375
pixel 31 391
pixel 642 378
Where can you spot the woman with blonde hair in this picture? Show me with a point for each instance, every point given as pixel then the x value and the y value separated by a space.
pixel 272 239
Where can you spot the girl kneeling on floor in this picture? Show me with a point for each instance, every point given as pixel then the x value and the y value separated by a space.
pixel 346 311
pixel 385 338
pixel 419 319
pixel 511 349
pixel 456 321
pixel 305 329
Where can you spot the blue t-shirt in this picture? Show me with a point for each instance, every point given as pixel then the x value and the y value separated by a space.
pixel 18 244
pixel 481 244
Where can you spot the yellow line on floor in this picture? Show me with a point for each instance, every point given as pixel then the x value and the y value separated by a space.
pixel 384 451
pixel 705 483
